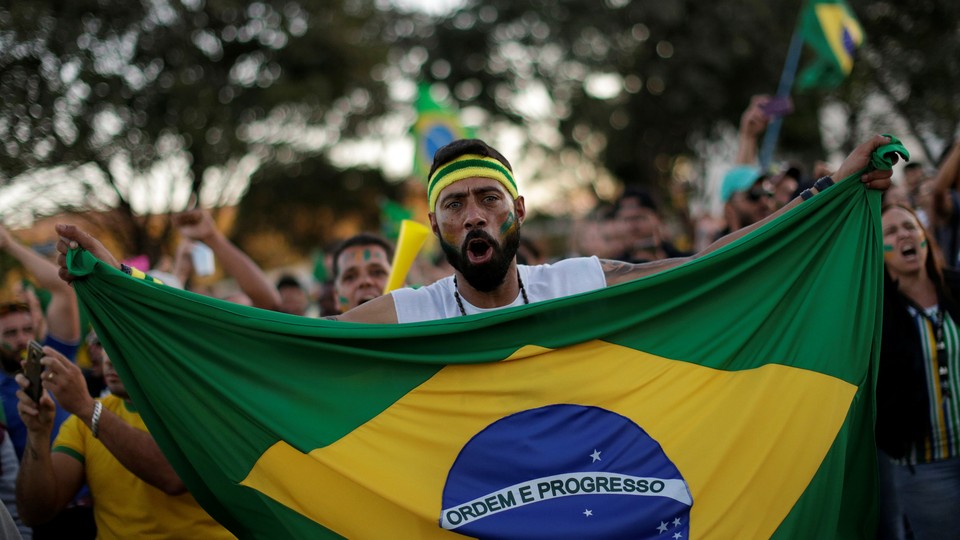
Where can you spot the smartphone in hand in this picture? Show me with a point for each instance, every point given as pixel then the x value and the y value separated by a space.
pixel 203 261
pixel 777 106
pixel 32 370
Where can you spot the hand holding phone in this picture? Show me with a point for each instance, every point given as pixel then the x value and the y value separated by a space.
pixel 203 260
pixel 777 106
pixel 32 370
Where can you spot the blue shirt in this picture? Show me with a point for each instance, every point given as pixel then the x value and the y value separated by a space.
pixel 8 392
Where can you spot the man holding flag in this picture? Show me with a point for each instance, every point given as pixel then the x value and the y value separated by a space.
pixel 630 411
pixel 476 213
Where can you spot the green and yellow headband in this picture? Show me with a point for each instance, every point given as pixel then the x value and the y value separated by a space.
pixel 468 166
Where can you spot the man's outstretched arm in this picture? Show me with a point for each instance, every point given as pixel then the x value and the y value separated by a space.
pixel 621 272
pixel 378 311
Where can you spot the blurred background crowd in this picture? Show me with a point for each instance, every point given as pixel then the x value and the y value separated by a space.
pixel 266 152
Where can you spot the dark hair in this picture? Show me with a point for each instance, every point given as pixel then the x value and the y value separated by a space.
pixel 13 307
pixel 642 196
pixel 462 147
pixel 287 280
pixel 793 171
pixel 362 239
pixel 934 261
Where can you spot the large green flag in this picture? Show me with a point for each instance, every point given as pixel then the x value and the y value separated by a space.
pixel 730 397
pixel 830 28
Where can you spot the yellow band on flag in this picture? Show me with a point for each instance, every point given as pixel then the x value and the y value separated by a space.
pixel 753 473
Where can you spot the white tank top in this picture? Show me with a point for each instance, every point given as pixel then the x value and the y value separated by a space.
pixel 543 282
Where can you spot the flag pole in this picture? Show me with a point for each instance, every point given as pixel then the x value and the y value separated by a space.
pixel 783 91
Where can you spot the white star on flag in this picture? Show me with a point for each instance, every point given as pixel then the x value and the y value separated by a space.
pixel 588 513
pixel 595 455
pixel 678 536
pixel 677 522
pixel 663 527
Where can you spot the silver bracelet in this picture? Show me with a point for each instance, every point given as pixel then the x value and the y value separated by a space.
pixel 95 419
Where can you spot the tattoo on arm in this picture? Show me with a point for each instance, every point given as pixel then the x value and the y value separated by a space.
pixel 619 271
pixel 614 269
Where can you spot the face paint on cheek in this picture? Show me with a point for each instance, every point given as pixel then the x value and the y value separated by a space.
pixel 344 301
pixel 449 239
pixel 511 219
pixel 923 244
pixel 887 251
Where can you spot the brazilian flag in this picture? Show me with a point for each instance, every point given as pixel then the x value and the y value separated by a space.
pixel 437 125
pixel 730 397
pixel 830 28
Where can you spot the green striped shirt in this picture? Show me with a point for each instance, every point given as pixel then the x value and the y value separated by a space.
pixel 942 441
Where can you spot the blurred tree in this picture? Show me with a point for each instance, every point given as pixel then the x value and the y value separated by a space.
pixel 912 60
pixel 327 205
pixel 636 85
pixel 150 100
pixel 628 83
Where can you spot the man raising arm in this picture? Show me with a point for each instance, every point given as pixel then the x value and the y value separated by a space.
pixel 198 225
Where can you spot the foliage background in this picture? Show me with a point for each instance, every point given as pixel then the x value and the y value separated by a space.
pixel 296 110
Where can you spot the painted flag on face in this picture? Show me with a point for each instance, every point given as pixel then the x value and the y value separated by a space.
pixel 830 28
pixel 730 397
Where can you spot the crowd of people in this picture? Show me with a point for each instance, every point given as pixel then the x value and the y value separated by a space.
pixel 81 459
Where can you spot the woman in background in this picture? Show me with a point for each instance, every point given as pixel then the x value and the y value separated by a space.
pixel 918 385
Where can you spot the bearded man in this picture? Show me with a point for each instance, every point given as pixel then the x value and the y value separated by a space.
pixel 476 213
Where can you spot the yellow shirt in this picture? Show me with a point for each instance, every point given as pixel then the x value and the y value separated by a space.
pixel 124 506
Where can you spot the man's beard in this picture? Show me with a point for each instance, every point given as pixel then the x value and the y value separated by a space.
pixel 489 275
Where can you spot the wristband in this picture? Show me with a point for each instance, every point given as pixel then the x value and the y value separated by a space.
pixel 823 183
pixel 95 419
pixel 806 194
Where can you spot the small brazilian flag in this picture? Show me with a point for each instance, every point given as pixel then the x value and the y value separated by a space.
pixel 833 32
pixel 729 397
pixel 436 126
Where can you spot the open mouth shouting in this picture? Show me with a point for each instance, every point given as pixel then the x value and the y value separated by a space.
pixel 479 251
pixel 482 259
pixel 908 250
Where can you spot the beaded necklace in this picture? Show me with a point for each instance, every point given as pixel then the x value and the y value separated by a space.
pixel 456 294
